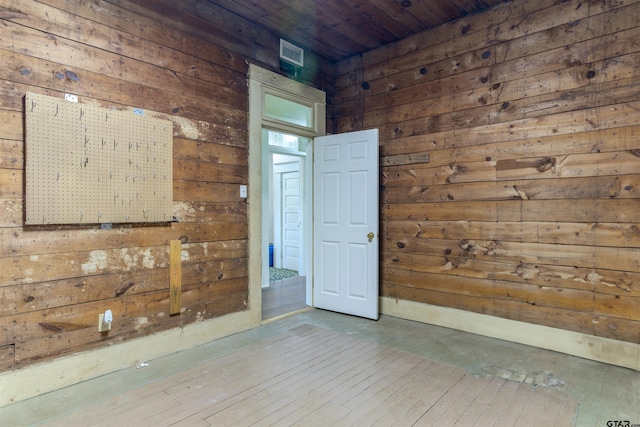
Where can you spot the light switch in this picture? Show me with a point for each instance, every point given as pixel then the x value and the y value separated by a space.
pixel 243 191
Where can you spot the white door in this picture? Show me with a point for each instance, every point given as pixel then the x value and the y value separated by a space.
pixel 346 193
pixel 291 220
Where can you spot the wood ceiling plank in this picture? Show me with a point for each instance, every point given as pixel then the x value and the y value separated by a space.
pixel 357 20
pixel 390 15
pixel 337 29
pixel 329 22
pixel 302 27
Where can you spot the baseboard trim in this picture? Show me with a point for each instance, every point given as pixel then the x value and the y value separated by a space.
pixel 40 378
pixel 605 350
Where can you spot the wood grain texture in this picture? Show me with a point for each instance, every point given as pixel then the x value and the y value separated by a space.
pixel 175 276
pixel 347 27
pixel 526 207
pixel 177 67
pixel 315 377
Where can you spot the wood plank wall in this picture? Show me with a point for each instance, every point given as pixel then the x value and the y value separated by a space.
pixel 527 207
pixel 160 56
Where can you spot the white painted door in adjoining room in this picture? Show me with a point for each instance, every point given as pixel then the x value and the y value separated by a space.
pixel 345 211
pixel 291 220
pixel 288 212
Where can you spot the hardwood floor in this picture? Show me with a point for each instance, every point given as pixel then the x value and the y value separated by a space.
pixel 313 376
pixel 283 297
pixel 322 368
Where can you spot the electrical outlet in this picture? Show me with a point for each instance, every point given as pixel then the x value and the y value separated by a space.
pixel 102 326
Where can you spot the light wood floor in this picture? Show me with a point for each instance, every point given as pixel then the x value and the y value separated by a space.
pixel 321 368
pixel 284 296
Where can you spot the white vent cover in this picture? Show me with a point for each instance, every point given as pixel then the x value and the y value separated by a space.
pixel 291 53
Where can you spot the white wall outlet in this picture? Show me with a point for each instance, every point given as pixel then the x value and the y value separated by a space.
pixel 104 321
pixel 243 191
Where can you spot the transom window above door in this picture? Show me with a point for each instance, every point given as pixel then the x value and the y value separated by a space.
pixel 285 140
pixel 281 111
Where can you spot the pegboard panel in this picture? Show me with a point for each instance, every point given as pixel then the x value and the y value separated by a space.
pixel 88 164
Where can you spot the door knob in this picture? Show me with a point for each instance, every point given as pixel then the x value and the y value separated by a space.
pixel 370 236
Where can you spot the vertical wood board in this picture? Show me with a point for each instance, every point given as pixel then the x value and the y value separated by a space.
pixel 175 276
pixel 88 164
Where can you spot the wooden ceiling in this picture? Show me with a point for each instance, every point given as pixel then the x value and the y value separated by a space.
pixel 336 29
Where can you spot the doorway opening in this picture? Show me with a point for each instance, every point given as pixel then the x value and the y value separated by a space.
pixel 284 117
pixel 286 291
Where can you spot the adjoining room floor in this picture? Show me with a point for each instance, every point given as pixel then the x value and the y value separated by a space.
pixel 323 368
pixel 284 296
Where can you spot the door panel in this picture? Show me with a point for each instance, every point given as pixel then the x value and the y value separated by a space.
pixel 346 195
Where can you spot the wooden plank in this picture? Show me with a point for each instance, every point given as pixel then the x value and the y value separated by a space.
pixel 405 159
pixel 592 141
pixel 572 299
pixel 595 280
pixel 68 239
pixel 67 292
pixel 11 212
pixel 616 306
pixel 11 125
pixel 588 234
pixel 7 357
pixel 187 149
pixel 614 258
pixel 464 33
pixel 204 171
pixel 55 342
pixel 245 41
pixel 621 329
pixel 175 277
pixel 86 34
pixel 606 187
pixel 423 175
pixel 304 22
pixel 11 183
pixel 477 87
pixel 164 13
pixel 57 266
pixel 549 27
pixel 26 71
pixel 601 117
pixel 135 314
pixel 196 212
pixel 206 192
pixel 183 127
pixel 598 164
pixel 546 93
pixel 38 44
pixel 11 154
pixel 152 30
pixel 610 117
pixel 554 103
pixel 588 210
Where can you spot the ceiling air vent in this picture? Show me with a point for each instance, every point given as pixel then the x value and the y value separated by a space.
pixel 291 53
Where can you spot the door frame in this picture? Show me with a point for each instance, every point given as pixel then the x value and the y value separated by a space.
pixel 261 82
